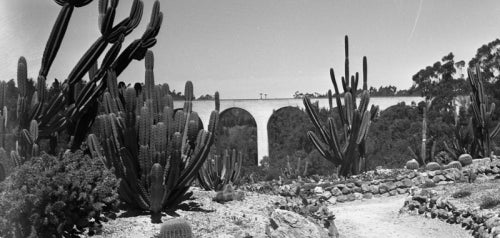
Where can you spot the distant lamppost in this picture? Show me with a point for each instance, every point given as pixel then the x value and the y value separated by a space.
pixel 260 95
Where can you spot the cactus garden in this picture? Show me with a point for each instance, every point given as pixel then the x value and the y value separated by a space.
pixel 132 119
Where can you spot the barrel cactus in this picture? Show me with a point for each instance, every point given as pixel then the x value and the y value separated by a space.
pixel 176 228
pixel 465 159
pixel 412 164
pixel 454 164
pixel 443 158
pixel 431 166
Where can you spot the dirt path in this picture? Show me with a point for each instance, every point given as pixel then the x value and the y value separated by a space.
pixel 379 217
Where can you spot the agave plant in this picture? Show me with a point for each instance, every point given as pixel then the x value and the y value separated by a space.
pixel 355 120
pixel 218 171
pixel 155 150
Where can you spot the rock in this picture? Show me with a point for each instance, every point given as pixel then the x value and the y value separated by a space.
pixel 336 192
pixel 401 190
pixel 383 188
pixel 357 190
pixel 289 224
pixel 346 190
pixel 341 186
pixel 326 195
pixel 407 183
pixel 375 182
pixel 481 178
pixel 374 189
pixel 358 183
pixel 368 196
pixel 319 190
pixel 350 185
pixel 436 179
pixel 391 186
pixel 399 184
pixel 365 188
pixel 358 196
pixel 393 193
pixel 351 197
pixel 342 198
pixel 492 222
pixel 332 200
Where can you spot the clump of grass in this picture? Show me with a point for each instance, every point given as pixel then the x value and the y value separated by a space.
pixel 461 193
pixel 489 201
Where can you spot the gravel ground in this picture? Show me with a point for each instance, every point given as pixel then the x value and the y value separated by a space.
pixel 380 217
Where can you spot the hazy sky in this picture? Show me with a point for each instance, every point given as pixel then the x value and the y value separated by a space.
pixel 242 48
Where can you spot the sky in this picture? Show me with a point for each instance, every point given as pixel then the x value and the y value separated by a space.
pixel 243 48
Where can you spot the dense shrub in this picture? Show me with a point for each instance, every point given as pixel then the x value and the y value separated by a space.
pixel 55 197
pixel 461 193
pixel 489 201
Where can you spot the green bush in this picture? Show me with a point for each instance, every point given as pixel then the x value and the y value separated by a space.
pixel 461 193
pixel 489 201
pixel 56 197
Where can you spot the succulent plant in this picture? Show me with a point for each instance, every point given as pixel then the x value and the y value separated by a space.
pixel 228 194
pixel 74 109
pixel 482 119
pixel 355 120
pixel 465 159
pixel 454 164
pixel 412 164
pixel 155 150
pixel 432 166
pixel 217 171
pixel 176 228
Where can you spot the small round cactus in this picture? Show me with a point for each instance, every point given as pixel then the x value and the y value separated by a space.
pixel 176 228
pixel 465 159
pixel 412 164
pixel 432 166
pixel 454 164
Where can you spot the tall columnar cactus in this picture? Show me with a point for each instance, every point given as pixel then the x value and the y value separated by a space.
pixel 75 107
pixel 482 117
pixel 355 120
pixel 292 173
pixel 155 151
pixel 217 171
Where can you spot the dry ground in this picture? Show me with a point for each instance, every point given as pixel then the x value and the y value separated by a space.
pixel 379 217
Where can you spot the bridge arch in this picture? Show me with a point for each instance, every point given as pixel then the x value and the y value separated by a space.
pixel 235 121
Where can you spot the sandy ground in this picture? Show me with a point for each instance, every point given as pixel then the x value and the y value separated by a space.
pixel 379 217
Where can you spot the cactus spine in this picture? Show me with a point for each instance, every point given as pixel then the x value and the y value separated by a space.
pixel 355 122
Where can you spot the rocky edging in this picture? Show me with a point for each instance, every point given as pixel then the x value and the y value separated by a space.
pixel 427 203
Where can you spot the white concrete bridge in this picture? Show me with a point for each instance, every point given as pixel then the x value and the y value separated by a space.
pixel 262 109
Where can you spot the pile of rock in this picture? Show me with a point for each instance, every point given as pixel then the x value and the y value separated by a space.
pixel 427 202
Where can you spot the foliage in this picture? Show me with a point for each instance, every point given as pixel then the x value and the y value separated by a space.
pixel 482 121
pixel 219 170
pixel 461 193
pixel 355 121
pixel 56 196
pixel 489 201
pixel 156 151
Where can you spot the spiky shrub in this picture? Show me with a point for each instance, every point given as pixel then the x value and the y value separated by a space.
pixel 465 159
pixel 56 197
pixel 74 108
pixel 228 194
pixel 347 150
pixel 412 164
pixel 482 120
pixel 292 173
pixel 432 166
pixel 155 150
pixel 217 171
pixel 175 228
